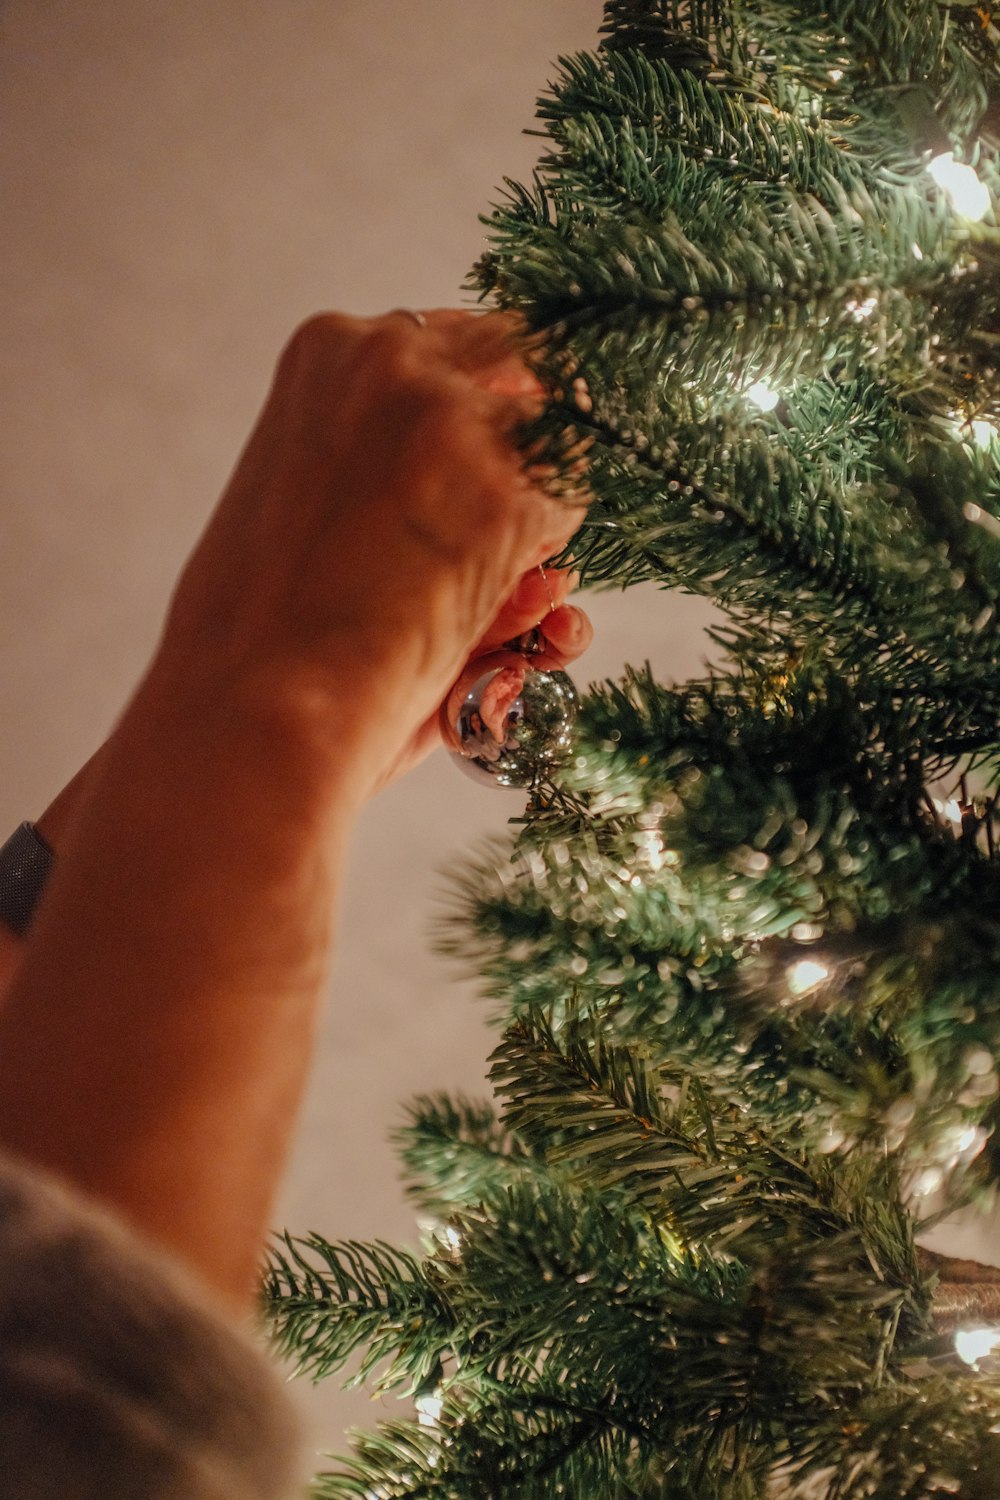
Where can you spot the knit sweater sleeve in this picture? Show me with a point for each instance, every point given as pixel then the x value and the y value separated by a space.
pixel 118 1376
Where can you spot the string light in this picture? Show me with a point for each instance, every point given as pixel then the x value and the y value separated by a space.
pixel 958 181
pixel 428 1410
pixel 650 846
pixel 859 310
pixel 805 974
pixel 975 430
pixel 951 810
pixel 974 1344
pixel 928 1181
pixel 762 396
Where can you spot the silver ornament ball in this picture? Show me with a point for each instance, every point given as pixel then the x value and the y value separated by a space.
pixel 515 731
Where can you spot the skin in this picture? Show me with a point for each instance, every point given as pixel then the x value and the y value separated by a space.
pixel 379 531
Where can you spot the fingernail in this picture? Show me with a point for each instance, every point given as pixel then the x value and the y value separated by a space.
pixel 577 624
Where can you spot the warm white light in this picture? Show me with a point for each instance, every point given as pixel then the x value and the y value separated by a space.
pixel 974 1344
pixel 805 974
pixel 762 396
pixel 836 74
pixel 928 1181
pixel 453 1237
pixel 428 1410
pixel 863 309
pixel 651 845
pixel 966 194
pixel 952 811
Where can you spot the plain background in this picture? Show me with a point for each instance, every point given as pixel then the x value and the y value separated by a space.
pixel 182 182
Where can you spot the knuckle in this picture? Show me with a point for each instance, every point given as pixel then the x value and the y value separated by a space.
pixel 423 403
pixel 313 340
pixel 438 408
pixel 391 347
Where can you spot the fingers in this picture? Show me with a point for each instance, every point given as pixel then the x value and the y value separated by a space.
pixel 567 632
pixel 438 467
pixel 479 361
pixel 538 601
pixel 492 348
pixel 537 593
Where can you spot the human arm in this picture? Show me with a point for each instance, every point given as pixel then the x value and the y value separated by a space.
pixel 156 1035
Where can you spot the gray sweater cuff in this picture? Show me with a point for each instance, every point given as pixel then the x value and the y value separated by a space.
pixel 118 1376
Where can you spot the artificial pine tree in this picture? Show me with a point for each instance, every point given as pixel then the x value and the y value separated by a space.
pixel 747 947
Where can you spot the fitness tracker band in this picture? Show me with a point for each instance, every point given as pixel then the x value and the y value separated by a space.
pixel 25 862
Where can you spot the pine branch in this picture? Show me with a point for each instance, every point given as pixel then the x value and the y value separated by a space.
pixel 455 1151
pixel 656 1134
pixel 326 1301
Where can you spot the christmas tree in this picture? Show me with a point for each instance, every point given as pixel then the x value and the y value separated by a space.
pixel 746 943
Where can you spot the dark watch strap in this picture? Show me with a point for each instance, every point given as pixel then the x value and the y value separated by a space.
pixel 25 862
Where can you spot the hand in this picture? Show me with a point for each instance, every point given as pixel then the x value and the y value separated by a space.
pixel 372 535
pixel 536 603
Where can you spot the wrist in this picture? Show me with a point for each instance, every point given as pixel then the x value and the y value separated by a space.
pixel 336 722
pixel 300 739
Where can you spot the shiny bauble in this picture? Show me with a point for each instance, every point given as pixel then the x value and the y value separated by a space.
pixel 509 722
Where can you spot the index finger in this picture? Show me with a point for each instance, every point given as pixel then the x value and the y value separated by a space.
pixel 540 592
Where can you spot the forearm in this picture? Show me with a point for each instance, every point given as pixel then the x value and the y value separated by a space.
pixel 156 1036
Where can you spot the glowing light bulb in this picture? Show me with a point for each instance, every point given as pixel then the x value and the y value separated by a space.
pixel 974 1344
pixel 762 396
pixel 983 433
pixel 805 974
pixel 651 845
pixel 863 309
pixel 428 1410
pixel 836 74
pixel 928 1181
pixel 953 811
pixel 966 194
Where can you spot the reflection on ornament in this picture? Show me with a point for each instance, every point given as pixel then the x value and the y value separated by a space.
pixel 805 974
pixel 974 1344
pixel 513 726
pixel 966 194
